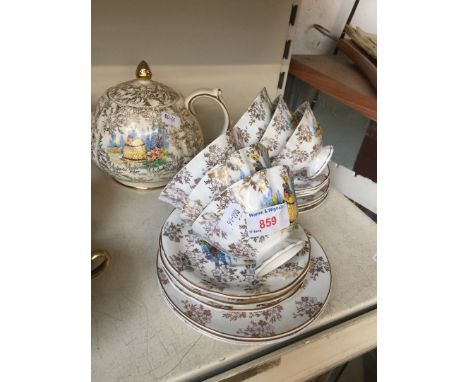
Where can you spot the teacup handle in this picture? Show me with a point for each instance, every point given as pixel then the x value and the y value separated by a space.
pixel 96 255
pixel 214 94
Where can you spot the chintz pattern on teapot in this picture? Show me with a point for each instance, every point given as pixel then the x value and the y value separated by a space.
pixel 144 132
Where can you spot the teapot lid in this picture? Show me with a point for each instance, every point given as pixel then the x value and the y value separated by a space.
pixel 143 92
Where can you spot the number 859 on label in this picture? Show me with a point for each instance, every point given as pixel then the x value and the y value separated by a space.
pixel 268 222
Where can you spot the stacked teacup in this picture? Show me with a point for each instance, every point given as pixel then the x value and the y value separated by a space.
pixel 233 260
pixel 312 182
pixel 304 154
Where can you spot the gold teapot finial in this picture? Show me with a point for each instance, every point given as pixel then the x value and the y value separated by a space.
pixel 143 71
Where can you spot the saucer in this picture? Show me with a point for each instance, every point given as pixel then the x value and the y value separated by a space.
pixel 320 161
pixel 240 306
pixel 303 201
pixel 306 184
pixel 313 206
pixel 309 194
pixel 318 203
pixel 275 323
pixel 213 273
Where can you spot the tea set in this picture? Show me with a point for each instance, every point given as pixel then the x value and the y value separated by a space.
pixel 233 261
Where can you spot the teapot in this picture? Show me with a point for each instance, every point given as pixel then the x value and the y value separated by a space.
pixel 144 132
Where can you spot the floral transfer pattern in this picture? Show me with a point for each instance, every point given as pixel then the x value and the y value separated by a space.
pixel 167 276
pixel 162 276
pixel 319 265
pixel 241 164
pixel 278 321
pixel 256 112
pixel 265 188
pixel 196 312
pixel 307 306
pixel 260 324
pixel 177 190
pixel 299 112
pixel 136 94
pixel 251 126
pixel 173 231
pixel 180 262
pixel 135 144
pixel 205 267
pixel 303 145
pixel 279 130
pixel 303 183
pixel 257 329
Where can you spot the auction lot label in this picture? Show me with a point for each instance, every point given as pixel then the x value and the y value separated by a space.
pixel 268 220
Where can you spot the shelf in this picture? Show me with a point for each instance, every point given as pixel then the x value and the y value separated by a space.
pixel 136 335
pixel 338 79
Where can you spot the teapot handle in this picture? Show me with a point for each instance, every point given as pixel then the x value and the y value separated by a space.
pixel 214 94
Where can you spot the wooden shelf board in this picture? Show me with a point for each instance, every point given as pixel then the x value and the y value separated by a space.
pixel 337 78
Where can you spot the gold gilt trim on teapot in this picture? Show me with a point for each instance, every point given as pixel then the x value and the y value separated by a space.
pixel 143 71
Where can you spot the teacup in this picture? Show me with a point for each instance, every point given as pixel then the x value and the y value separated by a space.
pixel 300 110
pixel 282 125
pixel 254 219
pixel 274 103
pixel 242 163
pixel 279 129
pixel 177 190
pixel 304 185
pixel 250 127
pixel 320 161
pixel 303 145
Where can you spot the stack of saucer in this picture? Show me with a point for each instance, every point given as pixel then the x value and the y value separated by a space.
pixel 312 183
pixel 227 301
pixel 312 192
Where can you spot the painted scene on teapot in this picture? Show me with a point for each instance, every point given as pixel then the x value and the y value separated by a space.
pixel 146 149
